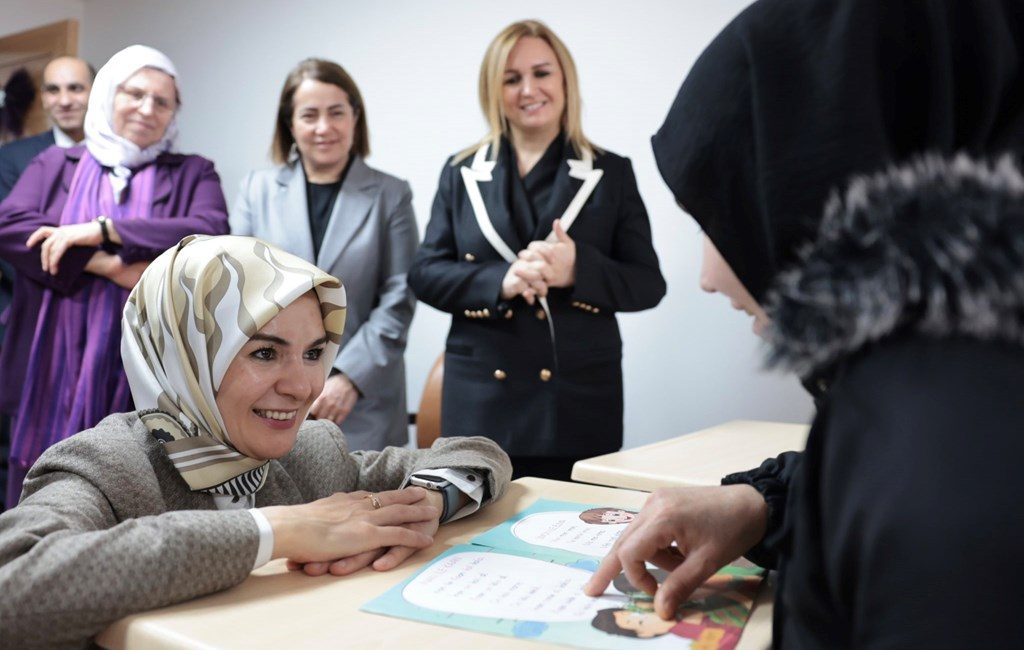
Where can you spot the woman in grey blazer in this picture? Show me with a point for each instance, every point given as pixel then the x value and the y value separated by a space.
pixel 226 342
pixel 323 203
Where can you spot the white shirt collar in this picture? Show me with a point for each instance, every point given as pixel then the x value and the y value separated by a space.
pixel 63 140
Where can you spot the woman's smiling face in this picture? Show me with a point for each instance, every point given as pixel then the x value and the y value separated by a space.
pixel 533 93
pixel 144 106
pixel 323 125
pixel 273 380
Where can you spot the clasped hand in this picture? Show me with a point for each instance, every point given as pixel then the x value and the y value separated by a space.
pixel 58 239
pixel 344 533
pixel 541 265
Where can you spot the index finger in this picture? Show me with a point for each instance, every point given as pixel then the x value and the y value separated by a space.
pixel 40 234
pixel 610 567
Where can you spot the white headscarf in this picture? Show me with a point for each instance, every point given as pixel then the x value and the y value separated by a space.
pixel 110 149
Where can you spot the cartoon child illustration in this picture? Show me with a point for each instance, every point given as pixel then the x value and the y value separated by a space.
pixel 713 617
pixel 636 620
pixel 591 532
pixel 607 516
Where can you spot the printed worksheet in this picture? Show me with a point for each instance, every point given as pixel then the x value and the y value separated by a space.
pixel 525 577
pixel 560 529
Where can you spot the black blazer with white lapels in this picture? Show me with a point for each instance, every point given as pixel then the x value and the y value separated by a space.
pixel 541 380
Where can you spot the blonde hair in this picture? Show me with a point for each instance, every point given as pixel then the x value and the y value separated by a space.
pixel 492 73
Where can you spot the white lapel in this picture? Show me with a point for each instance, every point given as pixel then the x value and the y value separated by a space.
pixel 291 227
pixel 351 209
pixel 584 171
pixel 480 171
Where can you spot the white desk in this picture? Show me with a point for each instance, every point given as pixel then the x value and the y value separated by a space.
pixel 275 608
pixel 700 458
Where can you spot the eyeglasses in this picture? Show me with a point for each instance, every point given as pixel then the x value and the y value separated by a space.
pixel 137 98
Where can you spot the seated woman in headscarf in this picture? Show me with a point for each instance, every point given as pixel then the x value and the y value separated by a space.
pixel 227 342
pixel 79 227
pixel 899 302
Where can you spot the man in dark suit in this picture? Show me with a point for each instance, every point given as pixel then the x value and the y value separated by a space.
pixel 65 95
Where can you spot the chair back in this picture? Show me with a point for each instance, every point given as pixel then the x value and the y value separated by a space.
pixel 428 417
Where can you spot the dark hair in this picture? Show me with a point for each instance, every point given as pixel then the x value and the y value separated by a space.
pixel 622 583
pixel 327 72
pixel 596 515
pixel 19 92
pixel 604 620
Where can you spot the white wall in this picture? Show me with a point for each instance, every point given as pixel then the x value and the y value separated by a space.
pixel 691 362
pixel 21 15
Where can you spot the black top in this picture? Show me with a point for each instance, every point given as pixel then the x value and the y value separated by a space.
pixel 320 198
pixel 795 96
pixel 911 294
pixel 530 195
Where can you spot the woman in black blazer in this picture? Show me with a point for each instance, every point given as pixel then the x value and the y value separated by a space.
pixel 536 239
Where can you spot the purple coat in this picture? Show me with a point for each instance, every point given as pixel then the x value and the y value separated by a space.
pixel 187 197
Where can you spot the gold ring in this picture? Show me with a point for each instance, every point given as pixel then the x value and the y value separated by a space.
pixel 374 500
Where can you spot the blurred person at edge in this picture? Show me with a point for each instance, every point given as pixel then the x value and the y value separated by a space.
pixel 67 81
pixel 80 226
pixel 898 301
pixel 65 93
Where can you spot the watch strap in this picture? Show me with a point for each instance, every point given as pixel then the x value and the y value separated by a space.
pixel 450 494
pixel 107 245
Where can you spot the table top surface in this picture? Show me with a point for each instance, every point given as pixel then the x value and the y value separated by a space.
pixel 699 458
pixel 276 608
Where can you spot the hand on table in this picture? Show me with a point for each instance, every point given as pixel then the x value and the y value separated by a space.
pixel 337 400
pixel 691 532
pixel 57 240
pixel 380 559
pixel 345 529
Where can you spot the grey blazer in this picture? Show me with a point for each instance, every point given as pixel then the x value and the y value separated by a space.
pixel 106 526
pixel 370 241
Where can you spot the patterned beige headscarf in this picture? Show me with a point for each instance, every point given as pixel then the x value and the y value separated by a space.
pixel 190 314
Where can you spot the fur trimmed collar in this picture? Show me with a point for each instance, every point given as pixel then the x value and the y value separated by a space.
pixel 935 247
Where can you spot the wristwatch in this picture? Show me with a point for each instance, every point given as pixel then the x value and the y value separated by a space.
pixel 449 492
pixel 108 245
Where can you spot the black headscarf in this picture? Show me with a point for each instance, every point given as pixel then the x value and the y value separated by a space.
pixel 795 96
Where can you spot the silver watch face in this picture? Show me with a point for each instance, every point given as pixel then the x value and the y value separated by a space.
pixel 437 484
